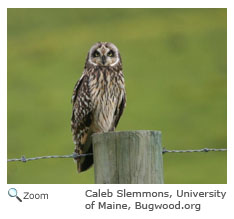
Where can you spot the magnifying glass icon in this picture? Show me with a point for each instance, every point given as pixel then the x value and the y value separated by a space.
pixel 12 192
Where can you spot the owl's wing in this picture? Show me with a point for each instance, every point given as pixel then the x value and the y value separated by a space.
pixel 81 121
pixel 120 109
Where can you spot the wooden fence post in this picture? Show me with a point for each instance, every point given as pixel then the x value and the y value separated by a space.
pixel 128 157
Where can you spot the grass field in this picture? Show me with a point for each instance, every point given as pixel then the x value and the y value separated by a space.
pixel 175 66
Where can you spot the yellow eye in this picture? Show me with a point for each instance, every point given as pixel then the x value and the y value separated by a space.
pixel 96 54
pixel 110 53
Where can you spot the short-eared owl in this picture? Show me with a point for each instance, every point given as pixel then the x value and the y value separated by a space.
pixel 98 99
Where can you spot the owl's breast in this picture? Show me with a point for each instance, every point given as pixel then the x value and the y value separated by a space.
pixel 106 91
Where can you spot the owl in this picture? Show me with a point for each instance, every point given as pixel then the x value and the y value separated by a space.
pixel 98 99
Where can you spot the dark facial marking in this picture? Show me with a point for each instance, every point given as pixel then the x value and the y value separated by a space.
pixel 96 54
pixel 110 53
pixel 103 60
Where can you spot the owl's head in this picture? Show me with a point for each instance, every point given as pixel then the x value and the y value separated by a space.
pixel 103 54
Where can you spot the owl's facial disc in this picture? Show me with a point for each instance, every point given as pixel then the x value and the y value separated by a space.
pixel 104 55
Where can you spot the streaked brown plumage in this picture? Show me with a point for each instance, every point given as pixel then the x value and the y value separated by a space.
pixel 98 99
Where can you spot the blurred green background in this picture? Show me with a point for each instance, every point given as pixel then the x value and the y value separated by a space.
pixel 175 66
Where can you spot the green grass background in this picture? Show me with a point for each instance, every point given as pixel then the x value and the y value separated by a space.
pixel 175 66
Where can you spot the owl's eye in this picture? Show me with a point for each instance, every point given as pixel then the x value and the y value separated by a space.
pixel 96 54
pixel 110 53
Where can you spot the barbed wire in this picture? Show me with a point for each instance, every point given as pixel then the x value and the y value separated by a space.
pixel 75 155
pixel 195 150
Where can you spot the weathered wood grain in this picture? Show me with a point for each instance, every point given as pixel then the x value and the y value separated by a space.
pixel 128 157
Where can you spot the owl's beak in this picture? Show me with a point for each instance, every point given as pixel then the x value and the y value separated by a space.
pixel 103 59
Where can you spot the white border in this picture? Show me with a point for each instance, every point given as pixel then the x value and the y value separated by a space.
pixel 68 200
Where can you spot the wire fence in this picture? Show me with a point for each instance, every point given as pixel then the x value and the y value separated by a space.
pixel 194 150
pixel 75 155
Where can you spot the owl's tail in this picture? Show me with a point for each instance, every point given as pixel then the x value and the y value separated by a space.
pixel 84 163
